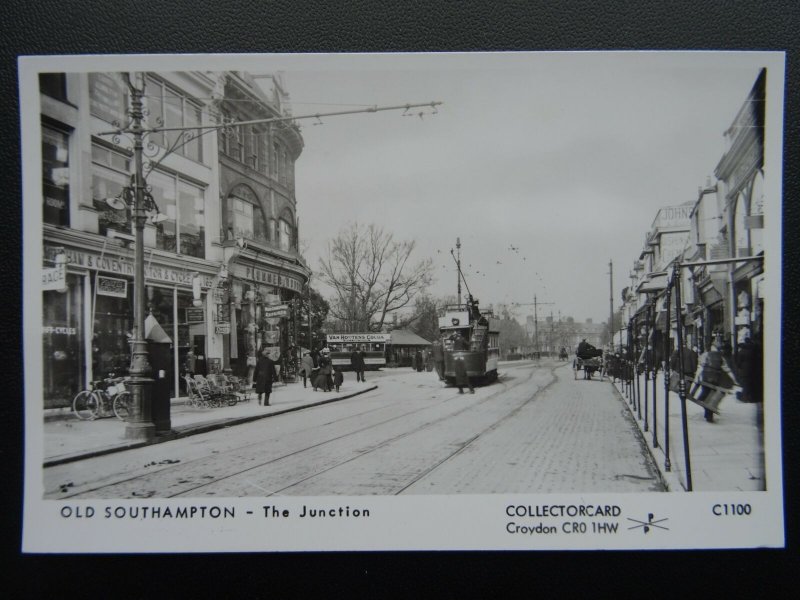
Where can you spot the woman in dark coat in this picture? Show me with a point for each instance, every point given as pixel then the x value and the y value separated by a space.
pixel 324 379
pixel 263 377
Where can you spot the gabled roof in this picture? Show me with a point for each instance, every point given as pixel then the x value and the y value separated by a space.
pixel 406 337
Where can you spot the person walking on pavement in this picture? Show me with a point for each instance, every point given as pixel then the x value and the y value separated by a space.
pixel 263 376
pixel 307 368
pixel 713 380
pixel 324 379
pixel 357 362
pixel 338 378
pixel 418 361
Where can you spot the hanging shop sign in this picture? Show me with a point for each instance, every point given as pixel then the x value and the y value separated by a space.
pixel 111 286
pixel 118 266
pixel 223 313
pixel 54 278
pixel 195 315
pixel 276 312
pixel 222 328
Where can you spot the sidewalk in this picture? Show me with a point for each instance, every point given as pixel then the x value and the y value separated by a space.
pixel 726 455
pixel 68 439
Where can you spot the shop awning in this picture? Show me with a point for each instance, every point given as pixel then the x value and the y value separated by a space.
pixel 654 282
pixel 153 332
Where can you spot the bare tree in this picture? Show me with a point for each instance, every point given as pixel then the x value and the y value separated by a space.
pixel 371 275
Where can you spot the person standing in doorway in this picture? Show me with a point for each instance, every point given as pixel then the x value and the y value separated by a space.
pixel 263 376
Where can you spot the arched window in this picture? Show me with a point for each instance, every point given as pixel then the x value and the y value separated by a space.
pixel 739 227
pixel 286 230
pixel 757 214
pixel 245 219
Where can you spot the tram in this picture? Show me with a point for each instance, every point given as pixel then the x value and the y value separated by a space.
pixel 471 335
pixel 373 345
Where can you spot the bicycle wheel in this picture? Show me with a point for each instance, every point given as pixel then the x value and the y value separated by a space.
pixel 85 406
pixel 122 405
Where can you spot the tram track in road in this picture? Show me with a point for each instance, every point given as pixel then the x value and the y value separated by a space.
pixel 407 434
pixel 243 451
pixel 485 431
pixel 359 455
pixel 172 472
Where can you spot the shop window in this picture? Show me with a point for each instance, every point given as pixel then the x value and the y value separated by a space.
pixel 113 325
pixel 55 171
pixel 63 343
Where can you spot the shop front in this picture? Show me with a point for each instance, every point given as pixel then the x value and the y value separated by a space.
pixel 262 316
pixel 87 326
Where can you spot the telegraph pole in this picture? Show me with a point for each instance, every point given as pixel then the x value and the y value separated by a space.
pixel 611 301
pixel 458 262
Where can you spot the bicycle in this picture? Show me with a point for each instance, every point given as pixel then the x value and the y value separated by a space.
pixel 103 398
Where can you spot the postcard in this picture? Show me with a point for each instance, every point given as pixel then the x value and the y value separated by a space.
pixel 424 301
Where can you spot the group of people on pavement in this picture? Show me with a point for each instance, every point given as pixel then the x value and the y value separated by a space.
pixel 317 367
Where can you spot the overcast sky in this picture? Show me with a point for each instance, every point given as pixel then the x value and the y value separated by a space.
pixel 547 166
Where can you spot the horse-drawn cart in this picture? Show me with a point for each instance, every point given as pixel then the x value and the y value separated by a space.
pixel 589 365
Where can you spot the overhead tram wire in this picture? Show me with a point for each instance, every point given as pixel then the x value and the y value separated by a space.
pixel 230 124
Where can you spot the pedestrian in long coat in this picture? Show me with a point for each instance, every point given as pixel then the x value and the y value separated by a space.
pixel 357 362
pixel 324 379
pixel 418 361
pixel 306 368
pixel 263 376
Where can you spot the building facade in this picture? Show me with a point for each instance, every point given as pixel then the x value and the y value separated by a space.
pixel 88 237
pixel 720 234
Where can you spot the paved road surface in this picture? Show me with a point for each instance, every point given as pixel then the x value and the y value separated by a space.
pixel 536 430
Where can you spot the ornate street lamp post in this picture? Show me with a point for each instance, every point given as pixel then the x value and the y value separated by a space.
pixel 140 424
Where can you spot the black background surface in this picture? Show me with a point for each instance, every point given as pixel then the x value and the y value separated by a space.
pixel 240 26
